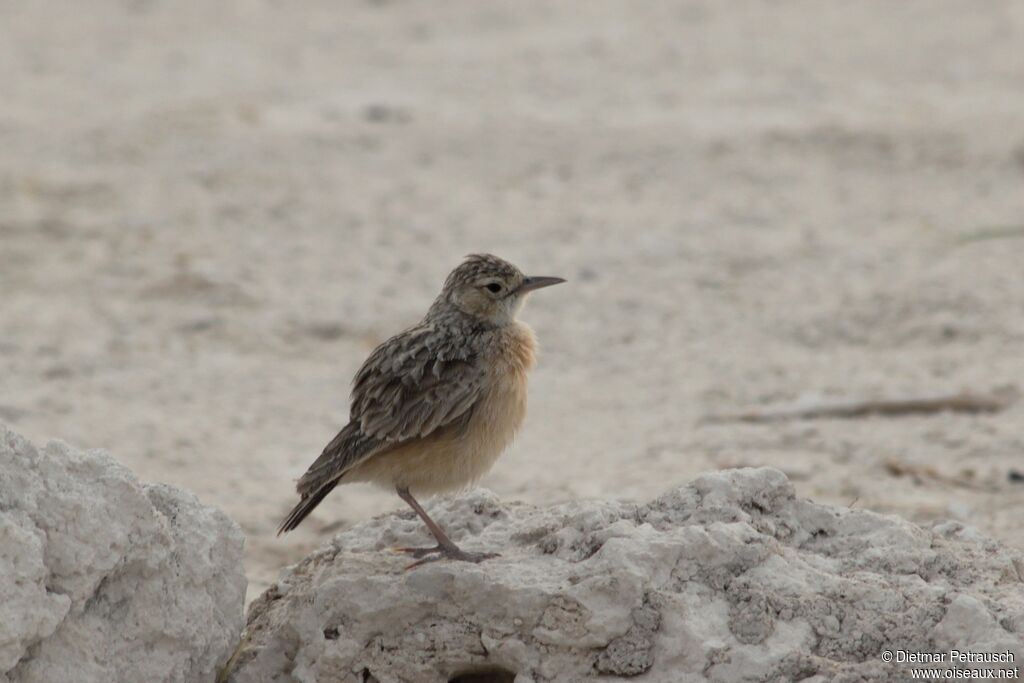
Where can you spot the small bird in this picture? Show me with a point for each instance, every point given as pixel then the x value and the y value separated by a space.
pixel 433 407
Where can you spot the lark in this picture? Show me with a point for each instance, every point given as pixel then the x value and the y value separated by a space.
pixel 433 407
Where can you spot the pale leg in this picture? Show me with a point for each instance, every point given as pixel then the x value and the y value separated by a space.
pixel 445 548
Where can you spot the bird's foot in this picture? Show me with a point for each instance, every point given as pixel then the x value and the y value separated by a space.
pixel 420 552
pixel 442 552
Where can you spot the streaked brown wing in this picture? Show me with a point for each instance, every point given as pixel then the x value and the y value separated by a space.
pixel 345 450
pixel 414 384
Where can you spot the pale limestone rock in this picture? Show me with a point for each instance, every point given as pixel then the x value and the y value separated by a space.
pixel 730 578
pixel 104 579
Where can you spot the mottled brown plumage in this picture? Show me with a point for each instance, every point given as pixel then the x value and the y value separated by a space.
pixel 433 407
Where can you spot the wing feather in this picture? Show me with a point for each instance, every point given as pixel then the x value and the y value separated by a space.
pixel 345 450
pixel 414 384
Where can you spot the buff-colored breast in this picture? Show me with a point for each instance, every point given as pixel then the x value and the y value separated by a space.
pixel 455 458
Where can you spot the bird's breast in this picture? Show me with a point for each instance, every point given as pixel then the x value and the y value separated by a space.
pixel 502 407
pixel 518 348
pixel 497 415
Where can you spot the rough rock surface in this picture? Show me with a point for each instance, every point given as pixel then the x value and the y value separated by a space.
pixel 731 578
pixel 104 579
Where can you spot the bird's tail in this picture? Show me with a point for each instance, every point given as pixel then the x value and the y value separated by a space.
pixel 345 451
pixel 305 506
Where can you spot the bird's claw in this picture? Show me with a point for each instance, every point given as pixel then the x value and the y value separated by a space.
pixel 419 552
pixel 440 552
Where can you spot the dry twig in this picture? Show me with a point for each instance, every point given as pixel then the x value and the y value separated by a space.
pixel 817 408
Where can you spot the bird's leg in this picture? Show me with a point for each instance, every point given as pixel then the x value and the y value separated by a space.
pixel 443 542
pixel 445 548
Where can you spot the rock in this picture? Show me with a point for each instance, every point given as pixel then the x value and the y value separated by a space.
pixel 731 578
pixel 105 579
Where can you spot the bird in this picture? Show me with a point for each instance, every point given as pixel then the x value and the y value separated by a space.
pixel 433 407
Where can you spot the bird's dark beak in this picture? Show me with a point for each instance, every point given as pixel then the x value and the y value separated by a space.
pixel 537 281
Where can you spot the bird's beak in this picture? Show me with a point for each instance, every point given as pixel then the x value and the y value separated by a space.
pixel 537 281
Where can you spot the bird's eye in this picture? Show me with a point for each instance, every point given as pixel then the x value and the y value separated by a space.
pixel 494 288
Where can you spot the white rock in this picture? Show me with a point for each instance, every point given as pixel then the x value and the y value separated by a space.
pixel 731 578
pixel 104 579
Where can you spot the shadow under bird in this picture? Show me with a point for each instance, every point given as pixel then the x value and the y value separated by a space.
pixel 433 407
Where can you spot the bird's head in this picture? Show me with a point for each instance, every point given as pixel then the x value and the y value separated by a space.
pixel 490 288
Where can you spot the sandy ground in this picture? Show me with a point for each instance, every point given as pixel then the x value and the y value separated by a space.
pixel 211 212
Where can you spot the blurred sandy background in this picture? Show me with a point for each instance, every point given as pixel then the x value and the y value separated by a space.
pixel 210 212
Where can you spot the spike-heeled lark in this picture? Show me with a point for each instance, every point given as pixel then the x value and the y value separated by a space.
pixel 434 406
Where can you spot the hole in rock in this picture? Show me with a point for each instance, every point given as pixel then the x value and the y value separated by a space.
pixel 492 674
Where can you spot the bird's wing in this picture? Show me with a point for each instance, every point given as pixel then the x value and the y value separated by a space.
pixel 347 449
pixel 410 386
pixel 414 384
